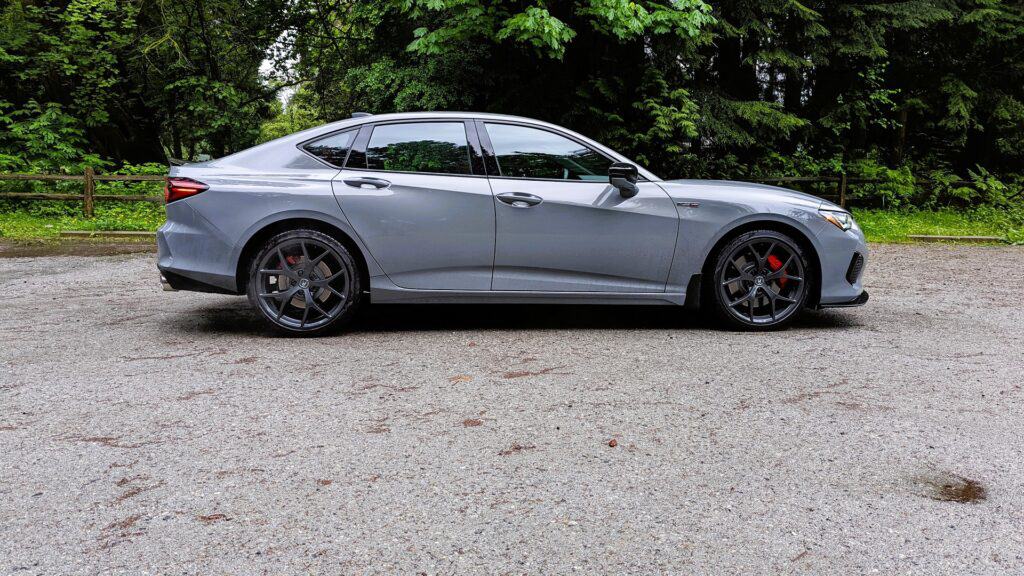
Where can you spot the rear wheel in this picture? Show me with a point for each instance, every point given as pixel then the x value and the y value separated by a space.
pixel 761 281
pixel 304 282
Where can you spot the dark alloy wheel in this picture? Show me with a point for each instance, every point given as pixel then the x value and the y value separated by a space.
pixel 304 282
pixel 761 281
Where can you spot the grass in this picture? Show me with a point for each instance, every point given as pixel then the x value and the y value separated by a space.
pixel 895 226
pixel 21 220
pixel 33 220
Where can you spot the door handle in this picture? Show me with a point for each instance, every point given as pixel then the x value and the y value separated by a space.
pixel 365 181
pixel 519 199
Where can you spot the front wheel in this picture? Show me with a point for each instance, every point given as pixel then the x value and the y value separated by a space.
pixel 761 281
pixel 304 282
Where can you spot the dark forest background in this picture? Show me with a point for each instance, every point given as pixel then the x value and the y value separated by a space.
pixel 690 88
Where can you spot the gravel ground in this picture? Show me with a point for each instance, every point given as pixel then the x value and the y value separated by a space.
pixel 144 432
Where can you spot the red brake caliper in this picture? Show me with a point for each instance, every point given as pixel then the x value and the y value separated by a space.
pixel 775 264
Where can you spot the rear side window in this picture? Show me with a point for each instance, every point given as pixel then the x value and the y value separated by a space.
pixel 437 147
pixel 524 152
pixel 332 149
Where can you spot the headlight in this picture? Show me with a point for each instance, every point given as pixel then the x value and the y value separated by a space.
pixel 842 220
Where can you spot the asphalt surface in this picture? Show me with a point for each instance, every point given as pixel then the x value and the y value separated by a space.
pixel 144 432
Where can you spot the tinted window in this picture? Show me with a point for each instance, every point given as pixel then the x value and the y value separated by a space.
pixel 439 147
pixel 532 153
pixel 332 149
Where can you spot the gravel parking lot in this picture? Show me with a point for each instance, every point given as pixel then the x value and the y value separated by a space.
pixel 144 432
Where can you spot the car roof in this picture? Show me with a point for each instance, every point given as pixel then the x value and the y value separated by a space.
pixel 257 155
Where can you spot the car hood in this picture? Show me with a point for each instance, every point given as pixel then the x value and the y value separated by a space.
pixel 723 189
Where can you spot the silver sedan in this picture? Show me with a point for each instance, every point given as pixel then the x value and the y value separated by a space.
pixel 453 207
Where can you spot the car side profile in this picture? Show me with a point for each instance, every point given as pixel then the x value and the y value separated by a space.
pixel 447 207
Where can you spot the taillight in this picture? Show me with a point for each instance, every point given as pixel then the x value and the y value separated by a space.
pixel 178 188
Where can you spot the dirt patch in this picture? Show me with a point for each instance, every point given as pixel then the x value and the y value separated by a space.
pixel 472 422
pixel 119 531
pixel 38 249
pixel 516 448
pixel 107 441
pixel 541 372
pixel 211 518
pixel 952 488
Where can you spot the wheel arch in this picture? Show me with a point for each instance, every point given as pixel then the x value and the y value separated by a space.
pixel 266 230
pixel 797 233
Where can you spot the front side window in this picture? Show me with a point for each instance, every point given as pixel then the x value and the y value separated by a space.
pixel 524 152
pixel 332 149
pixel 437 147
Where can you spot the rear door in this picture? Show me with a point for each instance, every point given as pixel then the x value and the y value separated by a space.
pixel 562 227
pixel 416 194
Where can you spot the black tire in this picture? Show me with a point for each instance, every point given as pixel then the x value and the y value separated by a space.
pixel 303 282
pixel 761 281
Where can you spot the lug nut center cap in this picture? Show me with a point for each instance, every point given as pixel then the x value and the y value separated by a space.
pixel 304 283
pixel 759 280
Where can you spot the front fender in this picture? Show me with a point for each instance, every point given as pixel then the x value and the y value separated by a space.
pixel 708 216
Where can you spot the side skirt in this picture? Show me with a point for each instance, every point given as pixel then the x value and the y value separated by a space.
pixel 383 291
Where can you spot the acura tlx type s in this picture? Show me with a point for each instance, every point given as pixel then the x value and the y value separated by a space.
pixel 480 208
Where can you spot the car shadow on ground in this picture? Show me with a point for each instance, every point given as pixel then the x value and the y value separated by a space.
pixel 239 318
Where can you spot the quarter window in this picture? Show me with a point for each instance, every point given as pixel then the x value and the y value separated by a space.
pixel 437 147
pixel 524 152
pixel 332 149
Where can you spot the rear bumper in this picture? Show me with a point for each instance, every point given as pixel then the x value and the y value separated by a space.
pixel 172 282
pixel 192 254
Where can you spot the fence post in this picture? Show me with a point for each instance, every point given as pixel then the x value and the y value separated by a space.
pixel 89 192
pixel 842 190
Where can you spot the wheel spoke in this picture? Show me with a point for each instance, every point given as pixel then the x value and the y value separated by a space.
pixel 782 269
pixel 746 297
pixel 284 303
pixel 317 260
pixel 339 294
pixel 777 296
pixel 325 281
pixel 305 314
pixel 286 269
pixel 772 297
pixel 757 255
pixel 319 309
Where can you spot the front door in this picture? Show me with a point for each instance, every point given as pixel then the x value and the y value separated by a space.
pixel 562 227
pixel 416 195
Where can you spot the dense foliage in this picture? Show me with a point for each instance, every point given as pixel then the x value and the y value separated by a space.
pixel 737 88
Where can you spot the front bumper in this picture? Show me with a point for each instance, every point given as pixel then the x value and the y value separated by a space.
pixel 858 301
pixel 843 256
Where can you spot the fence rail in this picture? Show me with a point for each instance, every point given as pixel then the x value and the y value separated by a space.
pixel 88 197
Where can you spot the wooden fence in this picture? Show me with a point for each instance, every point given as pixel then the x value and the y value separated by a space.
pixel 88 197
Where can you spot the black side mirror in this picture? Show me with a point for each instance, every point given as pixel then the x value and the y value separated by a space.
pixel 623 176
